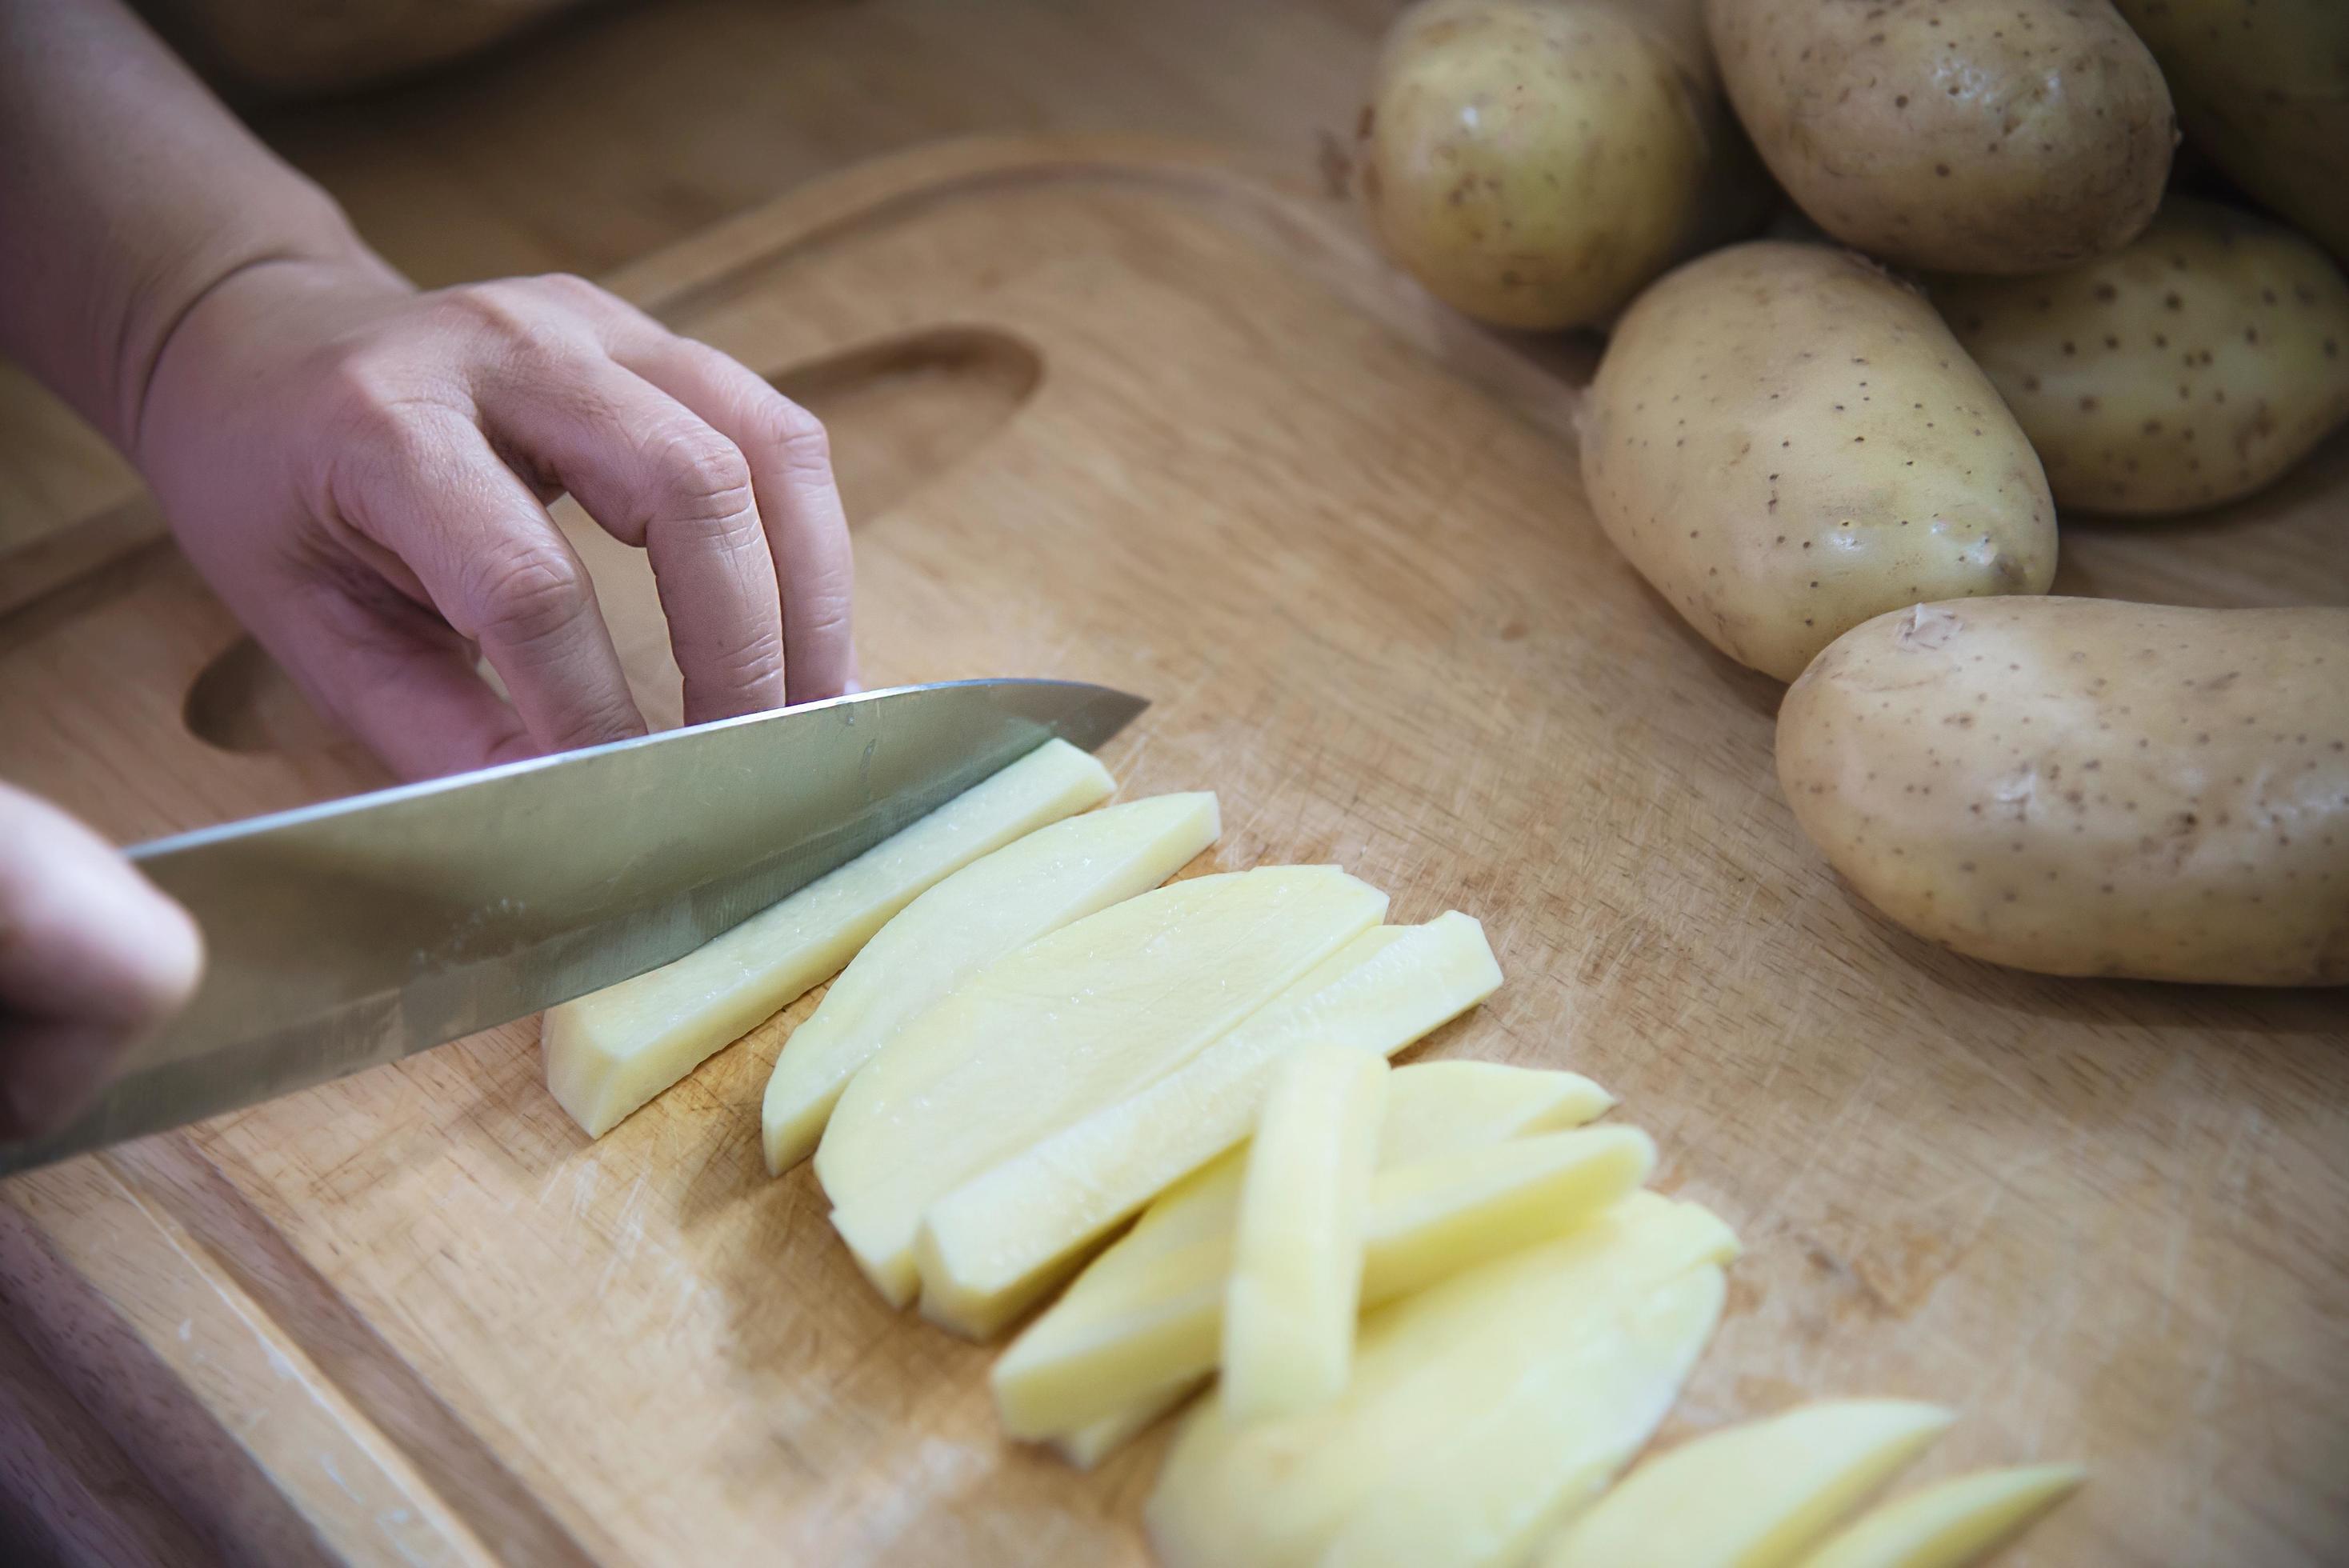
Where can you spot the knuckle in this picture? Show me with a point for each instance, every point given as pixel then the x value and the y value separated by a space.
pixel 784 427
pixel 525 593
pixel 748 665
pixel 505 312
pixel 708 478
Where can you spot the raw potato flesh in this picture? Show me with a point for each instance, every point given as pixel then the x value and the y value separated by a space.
pixel 609 1052
pixel 1752 1496
pixel 1157 1325
pixel 1070 1023
pixel 1432 1109
pixel 1295 1282
pixel 990 1248
pixel 1951 1523
pixel 1542 1444
pixel 992 906
pixel 1426 1372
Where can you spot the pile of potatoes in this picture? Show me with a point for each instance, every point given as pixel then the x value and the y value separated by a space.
pixel 1849 476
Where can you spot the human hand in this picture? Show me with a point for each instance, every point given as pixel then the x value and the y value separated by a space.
pixel 91 958
pixel 362 472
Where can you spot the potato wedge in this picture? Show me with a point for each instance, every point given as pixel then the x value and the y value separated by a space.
pixel 1428 1370
pixel 1295 1282
pixel 993 906
pixel 609 1052
pixel 1157 1325
pixel 1542 1444
pixel 991 1246
pixel 1951 1523
pixel 1070 1023
pixel 1750 1496
pixel 1432 1109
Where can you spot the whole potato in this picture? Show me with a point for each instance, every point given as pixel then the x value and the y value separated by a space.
pixel 2082 787
pixel 2263 87
pixel 1786 442
pixel 1970 136
pixel 1534 162
pixel 2191 366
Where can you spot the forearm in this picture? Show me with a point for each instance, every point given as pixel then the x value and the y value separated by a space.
pixel 127 192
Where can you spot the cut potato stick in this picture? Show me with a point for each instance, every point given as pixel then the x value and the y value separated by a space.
pixel 1296 1281
pixel 990 1247
pixel 997 904
pixel 1750 1496
pixel 1160 1325
pixel 609 1052
pixel 1951 1523
pixel 1070 1023
pixel 1540 1443
pixel 1426 1369
pixel 1096 1440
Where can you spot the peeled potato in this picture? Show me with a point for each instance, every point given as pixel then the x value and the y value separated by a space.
pixel 1534 162
pixel 1786 442
pixel 2081 787
pixel 2189 367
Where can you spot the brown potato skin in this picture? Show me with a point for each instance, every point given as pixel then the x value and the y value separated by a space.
pixel 1786 442
pixel 2263 88
pixel 2089 788
pixel 1965 136
pixel 2194 365
pixel 1534 163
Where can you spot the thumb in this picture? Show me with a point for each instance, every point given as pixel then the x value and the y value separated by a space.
pixel 92 956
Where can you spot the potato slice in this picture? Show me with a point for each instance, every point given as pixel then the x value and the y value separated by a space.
pixel 1541 1444
pixel 1159 1325
pixel 1951 1523
pixel 1295 1282
pixel 1428 1370
pixel 1432 1108
pixel 994 1244
pixel 609 1052
pixel 1071 1022
pixel 1754 1496
pixel 996 904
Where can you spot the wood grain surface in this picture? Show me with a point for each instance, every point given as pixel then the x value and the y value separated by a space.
pixel 1141 421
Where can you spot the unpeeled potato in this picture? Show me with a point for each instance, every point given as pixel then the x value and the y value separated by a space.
pixel 2263 87
pixel 1786 442
pixel 2191 366
pixel 1976 136
pixel 2083 787
pixel 1534 162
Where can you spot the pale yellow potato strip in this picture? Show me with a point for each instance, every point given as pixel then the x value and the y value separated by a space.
pixel 1070 1023
pixel 1161 1324
pixel 990 1247
pixel 993 906
pixel 1952 1522
pixel 609 1052
pixel 1295 1282
pixel 1539 1440
pixel 1752 1496
pixel 1426 1369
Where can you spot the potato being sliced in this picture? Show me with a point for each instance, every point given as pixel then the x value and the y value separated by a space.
pixel 997 904
pixel 1750 1496
pixel 1070 1023
pixel 1159 1326
pixel 1296 1281
pixel 1539 1445
pixel 991 1246
pixel 1951 1523
pixel 1432 1108
pixel 609 1052
pixel 1426 1371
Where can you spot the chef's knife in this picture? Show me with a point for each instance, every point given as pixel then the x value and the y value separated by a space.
pixel 346 934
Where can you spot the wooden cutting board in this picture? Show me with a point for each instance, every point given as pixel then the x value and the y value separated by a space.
pixel 1114 413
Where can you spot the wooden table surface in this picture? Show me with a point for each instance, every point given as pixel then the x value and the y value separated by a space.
pixel 1119 416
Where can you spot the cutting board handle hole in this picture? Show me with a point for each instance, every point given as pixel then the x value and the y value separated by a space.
pixel 243 702
pixel 902 412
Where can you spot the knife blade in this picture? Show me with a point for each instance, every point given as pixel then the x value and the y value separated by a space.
pixel 347 935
